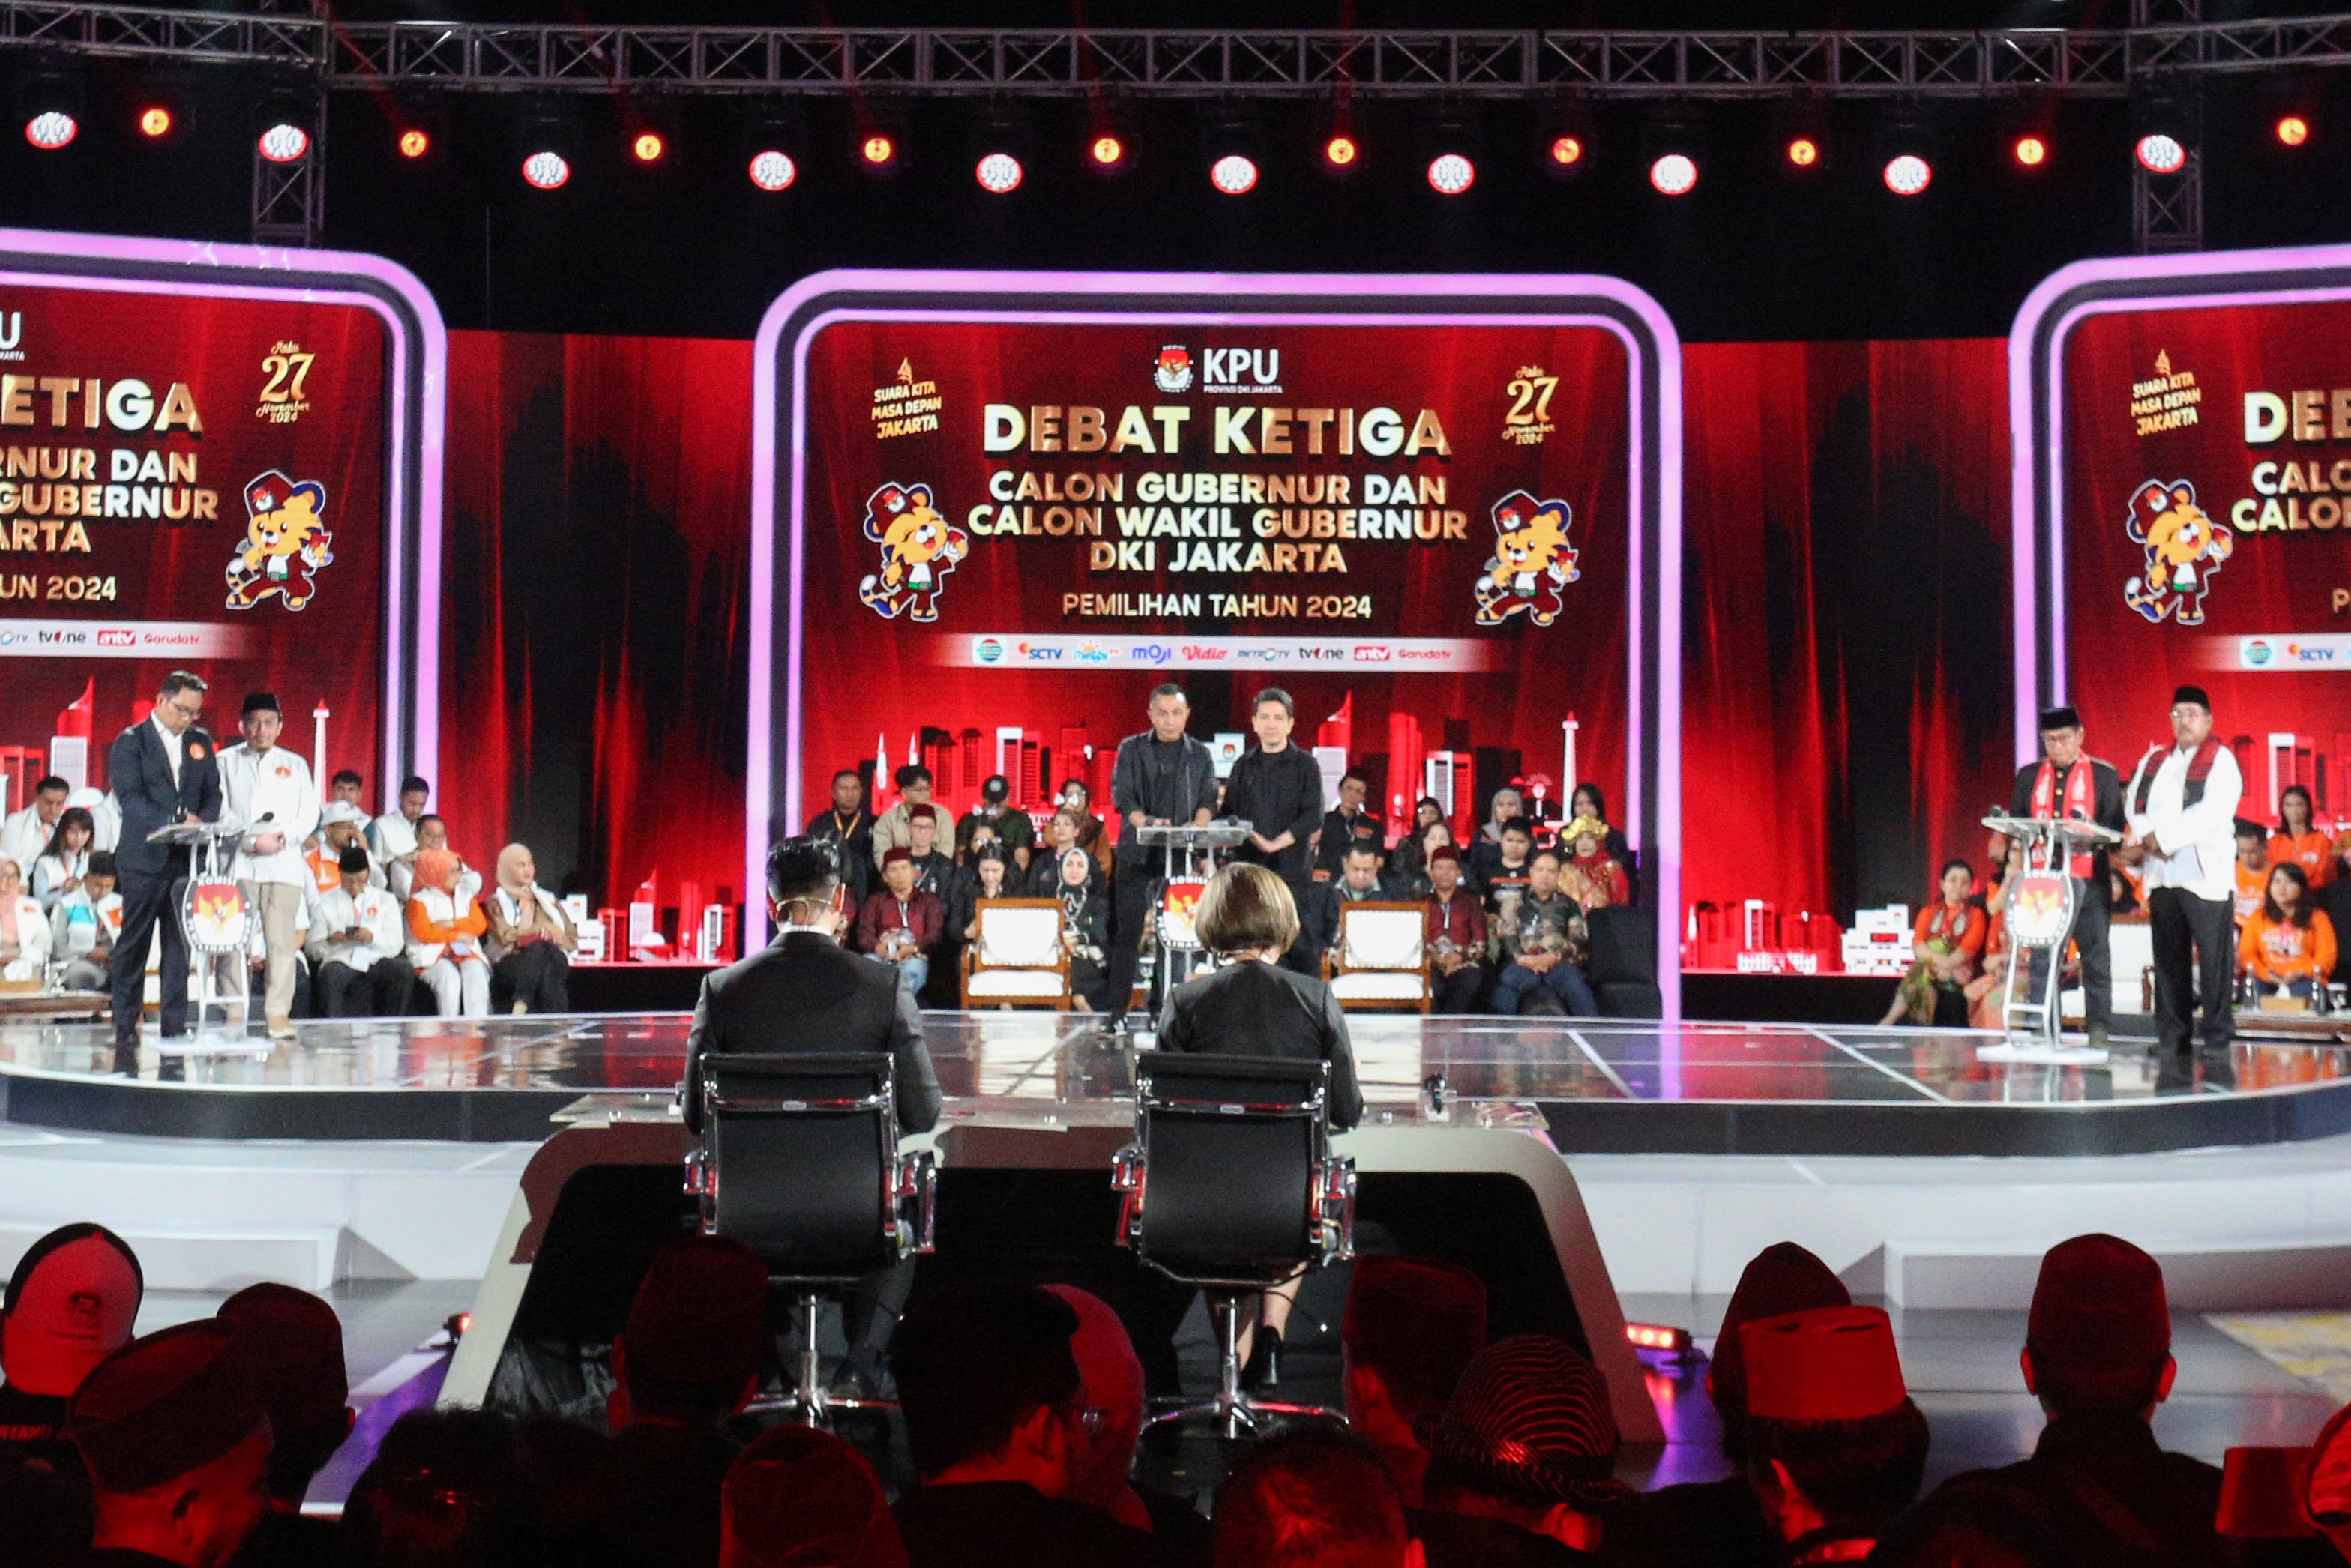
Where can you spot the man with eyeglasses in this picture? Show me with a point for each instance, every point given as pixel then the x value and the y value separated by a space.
pixel 164 770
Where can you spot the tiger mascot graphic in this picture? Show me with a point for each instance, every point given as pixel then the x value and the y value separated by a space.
pixel 1531 561
pixel 919 548
pixel 2184 549
pixel 286 543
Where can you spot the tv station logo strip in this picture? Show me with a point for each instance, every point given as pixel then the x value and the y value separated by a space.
pixel 123 640
pixel 1010 649
pixel 2288 652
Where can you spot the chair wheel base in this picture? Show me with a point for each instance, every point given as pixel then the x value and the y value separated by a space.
pixel 814 1407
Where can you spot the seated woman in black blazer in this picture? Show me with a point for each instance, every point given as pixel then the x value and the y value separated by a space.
pixel 1246 1007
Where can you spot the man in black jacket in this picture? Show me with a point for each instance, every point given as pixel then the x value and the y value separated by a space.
pixel 2068 785
pixel 164 770
pixel 1277 789
pixel 1162 776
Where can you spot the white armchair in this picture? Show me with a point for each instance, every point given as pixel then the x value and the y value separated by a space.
pixel 1380 958
pixel 1017 959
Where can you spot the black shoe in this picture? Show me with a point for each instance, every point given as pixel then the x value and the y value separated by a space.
pixel 1113 1025
pixel 1264 1368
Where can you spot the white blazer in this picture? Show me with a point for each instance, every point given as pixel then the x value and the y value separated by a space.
pixel 31 941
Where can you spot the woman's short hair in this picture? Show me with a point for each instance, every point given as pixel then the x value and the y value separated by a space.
pixel 1243 907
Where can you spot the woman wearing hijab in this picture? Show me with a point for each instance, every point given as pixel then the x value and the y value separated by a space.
pixel 529 941
pixel 444 932
pixel 23 930
pixel 1486 848
pixel 66 862
pixel 1085 927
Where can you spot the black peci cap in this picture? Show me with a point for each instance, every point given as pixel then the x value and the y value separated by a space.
pixel 261 702
pixel 2065 717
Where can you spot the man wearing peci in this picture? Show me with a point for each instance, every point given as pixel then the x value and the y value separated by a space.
pixel 2182 807
pixel 2068 785
pixel 1162 776
pixel 164 771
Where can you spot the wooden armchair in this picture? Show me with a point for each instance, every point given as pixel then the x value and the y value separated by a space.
pixel 1017 959
pixel 1380 958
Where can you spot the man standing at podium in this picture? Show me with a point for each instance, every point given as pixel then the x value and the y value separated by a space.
pixel 164 771
pixel 2065 784
pixel 1162 776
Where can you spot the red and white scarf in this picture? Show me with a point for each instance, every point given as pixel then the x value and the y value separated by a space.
pixel 2081 802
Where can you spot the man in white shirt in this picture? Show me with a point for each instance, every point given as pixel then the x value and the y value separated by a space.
pixel 269 789
pixel 356 939
pixel 2182 807
pixel 85 924
pixel 392 836
pixel 25 837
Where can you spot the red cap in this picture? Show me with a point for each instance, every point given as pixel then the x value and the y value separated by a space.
pixel 925 812
pixel 895 854
pixel 1782 1278
pixel 699 1320
pixel 800 1498
pixel 1831 1363
pixel 2098 1306
pixel 267 493
pixel 2261 1494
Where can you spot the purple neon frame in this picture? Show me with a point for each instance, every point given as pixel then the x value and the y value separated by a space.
pixel 2033 611
pixel 1656 363
pixel 410 673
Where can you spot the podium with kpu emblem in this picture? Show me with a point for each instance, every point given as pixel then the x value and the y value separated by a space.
pixel 2040 907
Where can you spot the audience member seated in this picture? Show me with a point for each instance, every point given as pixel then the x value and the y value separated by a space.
pixel 26 833
pixel 24 929
pixel 292 1345
pixel 432 833
pixel 1408 867
pixel 1012 828
pixel 2298 840
pixel 988 1385
pixel 393 834
pixel 1085 928
pixel 2253 869
pixel 800 1498
pixel 1486 848
pixel 902 924
pixel 105 813
pixel 2288 946
pixel 1456 935
pixel 1836 1450
pixel 356 943
pixel 1111 1378
pixel 71 1302
pixel 1593 876
pixel 444 932
pixel 2326 1496
pixel 1311 1499
pixel 891 830
pixel 85 925
pixel 1412 1325
pixel 848 826
pixel 1346 825
pixel 1064 832
pixel 1720 1524
pixel 348 787
pixel 1588 802
pixel 688 1361
pixel 65 861
pixel 1503 876
pixel 1541 937
pixel 989 875
pixel 1426 842
pixel 1522 1460
pixel 1076 797
pixel 1946 945
pixel 529 941
pixel 444 1492
pixel 1318 915
pixel 1986 993
pixel 340 827
pixel 934 870
pixel 2098 1354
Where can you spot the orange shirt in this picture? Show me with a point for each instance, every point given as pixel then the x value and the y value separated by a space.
pixel 2278 952
pixel 1962 930
pixel 2312 852
pixel 2252 886
pixel 427 930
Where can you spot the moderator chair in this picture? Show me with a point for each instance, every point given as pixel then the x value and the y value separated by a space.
pixel 1018 959
pixel 800 1163
pixel 1230 1187
pixel 1380 958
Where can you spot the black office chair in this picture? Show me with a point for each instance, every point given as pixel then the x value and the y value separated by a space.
pixel 800 1163
pixel 1230 1186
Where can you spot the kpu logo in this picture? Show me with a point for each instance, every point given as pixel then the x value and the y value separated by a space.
pixel 1173 373
pixel 1240 370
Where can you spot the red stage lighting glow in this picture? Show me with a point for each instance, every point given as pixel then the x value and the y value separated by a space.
pixel 1107 151
pixel 1567 151
pixel 648 147
pixel 415 144
pixel 546 171
pixel 1340 151
pixel 1656 1336
pixel 284 143
pixel 1233 174
pixel 2160 155
pixel 2030 152
pixel 154 120
pixel 999 173
pixel 1803 152
pixel 1907 174
pixel 773 170
pixel 1449 174
pixel 877 149
pixel 52 129
pixel 1675 174
pixel 2292 130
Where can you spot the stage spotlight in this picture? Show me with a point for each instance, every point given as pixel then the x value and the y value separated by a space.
pixel 2159 153
pixel 50 102
pixel 1566 151
pixel 546 170
pixel 414 143
pixel 999 173
pixel 1106 151
pixel 51 130
pixel 877 150
pixel 647 147
pixel 1234 173
pixel 1803 153
pixel 284 143
pixel 1450 174
pixel 2292 129
pixel 773 170
pixel 2029 151
pixel 1340 151
pixel 1907 174
pixel 155 122
pixel 1675 174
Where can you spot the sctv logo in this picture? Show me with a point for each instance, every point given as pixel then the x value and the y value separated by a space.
pixel 1241 368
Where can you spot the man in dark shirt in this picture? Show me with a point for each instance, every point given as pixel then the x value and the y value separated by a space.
pixel 1012 828
pixel 1348 824
pixel 902 924
pixel 1161 776
pixel 995 1423
pixel 2098 1489
pixel 176 1441
pixel 71 1304
pixel 2067 784
pixel 1539 935
pixel 293 1344
pixel 1277 789
pixel 848 827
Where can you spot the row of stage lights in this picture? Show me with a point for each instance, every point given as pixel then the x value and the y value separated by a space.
pixel 1001 171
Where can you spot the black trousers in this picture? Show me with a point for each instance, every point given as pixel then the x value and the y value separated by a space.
pixel 2198 930
pixel 2093 922
pixel 538 977
pixel 1132 909
pixel 151 903
pixel 1456 992
pixel 380 990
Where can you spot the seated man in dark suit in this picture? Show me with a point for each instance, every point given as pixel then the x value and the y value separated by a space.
pixel 164 770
